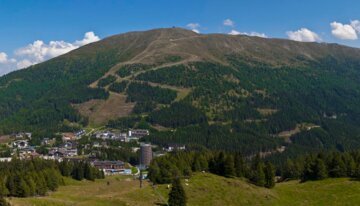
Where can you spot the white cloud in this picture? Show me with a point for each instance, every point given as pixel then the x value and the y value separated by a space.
pixel 194 27
pixel 89 37
pixel 234 32
pixel 303 35
pixel 4 59
pixel 343 31
pixel 356 25
pixel 39 51
pixel 229 22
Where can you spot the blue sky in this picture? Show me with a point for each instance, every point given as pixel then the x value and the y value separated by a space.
pixel 66 21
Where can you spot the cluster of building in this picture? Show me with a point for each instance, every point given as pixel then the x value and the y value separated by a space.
pixel 69 149
pixel 131 135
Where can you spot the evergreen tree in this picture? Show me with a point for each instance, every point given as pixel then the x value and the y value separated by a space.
pixel 177 196
pixel 21 188
pixel 239 164
pixel 10 184
pixel 229 170
pixel 220 163
pixel 337 167
pixel 350 165
pixel 3 189
pixel 40 182
pixel 259 176
pixel 319 169
pixel 269 175
pixel 88 172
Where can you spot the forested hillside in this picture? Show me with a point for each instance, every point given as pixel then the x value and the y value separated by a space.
pixel 236 93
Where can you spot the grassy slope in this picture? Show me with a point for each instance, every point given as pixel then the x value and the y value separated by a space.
pixel 202 189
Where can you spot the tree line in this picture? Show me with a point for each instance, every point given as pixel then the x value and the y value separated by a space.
pixel 181 164
pixel 24 178
pixel 257 170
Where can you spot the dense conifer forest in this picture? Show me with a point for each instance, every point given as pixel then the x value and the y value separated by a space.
pixel 314 166
pixel 24 178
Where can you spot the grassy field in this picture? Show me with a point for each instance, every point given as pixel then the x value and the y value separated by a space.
pixel 202 189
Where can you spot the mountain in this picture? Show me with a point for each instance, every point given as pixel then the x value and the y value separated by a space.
pixel 217 90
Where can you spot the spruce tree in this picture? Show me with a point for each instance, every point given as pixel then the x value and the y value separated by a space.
pixel 21 188
pixel 40 182
pixel 3 189
pixel 239 165
pixel 259 178
pixel 229 170
pixel 259 175
pixel 337 167
pixel 10 184
pixel 88 172
pixel 319 169
pixel 269 175
pixel 177 196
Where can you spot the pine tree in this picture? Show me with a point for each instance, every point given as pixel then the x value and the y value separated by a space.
pixel 337 167
pixel 177 196
pixel 10 184
pixel 219 164
pixel 239 164
pixel 259 178
pixel 269 175
pixel 21 188
pixel 350 165
pixel 3 189
pixel 88 172
pixel 40 182
pixel 229 170
pixel 319 169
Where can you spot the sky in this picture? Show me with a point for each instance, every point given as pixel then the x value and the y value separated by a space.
pixel 33 31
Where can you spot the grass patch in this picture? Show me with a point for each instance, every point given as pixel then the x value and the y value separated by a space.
pixel 201 189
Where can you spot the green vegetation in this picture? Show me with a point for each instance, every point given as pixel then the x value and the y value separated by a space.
pixel 124 123
pixel 177 196
pixel 201 189
pixel 177 115
pixel 143 92
pixel 23 178
pixel 106 81
pixel 118 86
pixel 144 107
pixel 130 69
pixel 236 137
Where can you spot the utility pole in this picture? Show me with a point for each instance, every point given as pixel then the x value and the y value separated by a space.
pixel 141 177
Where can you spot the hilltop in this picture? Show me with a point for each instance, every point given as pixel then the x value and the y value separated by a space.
pixel 217 90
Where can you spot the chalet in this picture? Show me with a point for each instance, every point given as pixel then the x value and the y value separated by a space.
pixel 22 135
pixel 105 135
pixel 20 144
pixel 80 133
pixel 110 167
pixel 5 159
pixel 138 133
pixel 68 144
pixel 68 136
pixel 63 152
pixel 28 153
pixel 47 141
